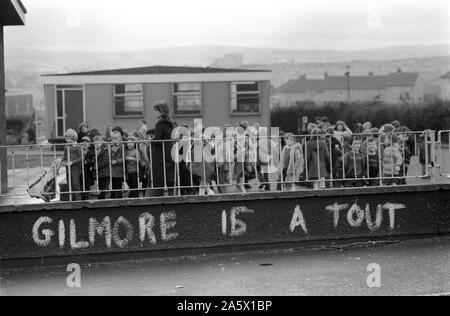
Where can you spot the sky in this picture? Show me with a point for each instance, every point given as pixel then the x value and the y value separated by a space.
pixel 117 25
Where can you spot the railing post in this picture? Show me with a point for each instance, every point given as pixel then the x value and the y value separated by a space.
pixel 3 150
pixel 433 157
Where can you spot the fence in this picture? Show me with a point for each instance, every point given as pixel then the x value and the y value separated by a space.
pixel 444 153
pixel 222 165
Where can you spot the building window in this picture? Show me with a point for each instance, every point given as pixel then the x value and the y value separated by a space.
pixel 128 100
pixel 245 98
pixel 187 98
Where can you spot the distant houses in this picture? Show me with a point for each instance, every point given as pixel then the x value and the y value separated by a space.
pixel 394 88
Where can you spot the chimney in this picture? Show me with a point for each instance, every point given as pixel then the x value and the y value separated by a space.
pixel 325 75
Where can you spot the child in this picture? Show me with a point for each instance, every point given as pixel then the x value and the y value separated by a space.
pixel 407 147
pixel 132 167
pixel 355 165
pixel 392 160
pixel 72 157
pixel 117 165
pixel 373 162
pixel 110 166
pixel 103 165
pixel 88 168
pixel 318 159
pixel 292 162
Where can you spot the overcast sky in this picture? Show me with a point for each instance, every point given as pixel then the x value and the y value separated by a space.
pixel 117 25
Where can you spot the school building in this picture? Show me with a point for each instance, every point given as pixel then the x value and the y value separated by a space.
pixel 125 97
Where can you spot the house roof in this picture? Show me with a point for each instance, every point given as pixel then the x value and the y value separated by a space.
pixel 402 79
pixel 303 84
pixel 12 12
pixel 159 70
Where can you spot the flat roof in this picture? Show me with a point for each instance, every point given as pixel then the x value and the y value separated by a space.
pixel 158 74
pixel 12 12
pixel 158 70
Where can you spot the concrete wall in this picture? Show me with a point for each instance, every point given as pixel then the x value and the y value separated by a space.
pixel 216 106
pixel 105 227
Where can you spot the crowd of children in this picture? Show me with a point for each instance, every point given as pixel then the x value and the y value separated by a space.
pixel 329 156
pixel 336 156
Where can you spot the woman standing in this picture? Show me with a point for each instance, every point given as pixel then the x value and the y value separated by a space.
pixel 163 166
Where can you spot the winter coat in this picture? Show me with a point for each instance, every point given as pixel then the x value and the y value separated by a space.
pixel 162 154
pixel 74 153
pixel 392 158
pixel 131 164
pixel 89 168
pixel 292 163
pixel 105 167
pixel 318 158
pixel 355 165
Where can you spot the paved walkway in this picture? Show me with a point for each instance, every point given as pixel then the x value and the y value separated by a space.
pixel 420 267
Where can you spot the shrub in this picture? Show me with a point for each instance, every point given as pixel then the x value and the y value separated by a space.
pixel 434 116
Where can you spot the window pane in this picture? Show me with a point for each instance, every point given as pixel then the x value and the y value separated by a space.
pixel 188 105
pixel 120 89
pixel 129 100
pixel 246 103
pixel 60 127
pixel 129 106
pixel 59 103
pixel 247 87
pixel 188 87
pixel 134 104
pixel 133 88
pixel 187 98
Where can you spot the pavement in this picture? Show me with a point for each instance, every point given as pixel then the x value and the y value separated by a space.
pixel 414 267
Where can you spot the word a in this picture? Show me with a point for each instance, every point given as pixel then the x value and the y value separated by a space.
pixel 74 278
pixel 374 278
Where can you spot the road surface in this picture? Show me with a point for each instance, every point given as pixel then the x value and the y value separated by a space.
pixel 415 267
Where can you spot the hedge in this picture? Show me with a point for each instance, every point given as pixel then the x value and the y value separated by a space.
pixel 434 116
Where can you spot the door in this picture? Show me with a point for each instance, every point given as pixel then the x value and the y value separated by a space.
pixel 69 109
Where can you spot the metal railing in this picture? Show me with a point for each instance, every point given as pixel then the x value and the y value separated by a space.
pixel 232 165
pixel 443 155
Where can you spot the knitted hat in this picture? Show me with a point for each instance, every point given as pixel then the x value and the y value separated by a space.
pixel 94 133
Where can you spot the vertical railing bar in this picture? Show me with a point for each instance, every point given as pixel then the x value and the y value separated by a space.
pixel 82 170
pixel 151 163
pixel 416 154
pixel 27 156
pixel 138 165
pixel 164 166
pixel 124 167
pixel 69 171
pixel 14 171
pixel 110 168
